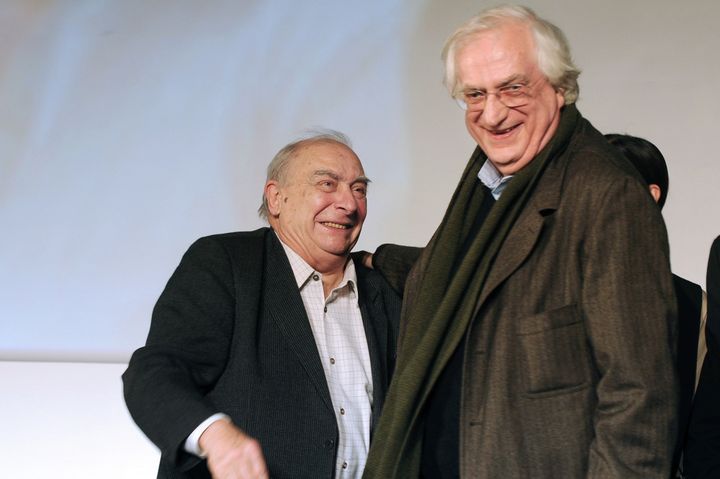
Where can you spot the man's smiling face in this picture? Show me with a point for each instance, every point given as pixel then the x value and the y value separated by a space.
pixel 319 205
pixel 497 58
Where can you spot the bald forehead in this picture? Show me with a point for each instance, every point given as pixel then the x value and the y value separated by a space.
pixel 324 155
pixel 318 143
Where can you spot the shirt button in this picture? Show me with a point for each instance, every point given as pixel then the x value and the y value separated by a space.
pixel 344 465
pixel 332 360
pixel 325 309
pixel 316 277
pixel 342 411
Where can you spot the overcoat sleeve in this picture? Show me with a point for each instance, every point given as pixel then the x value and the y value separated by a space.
pixel 394 263
pixel 630 313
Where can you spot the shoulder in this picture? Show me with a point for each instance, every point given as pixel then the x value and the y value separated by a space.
pixel 592 174
pixel 371 282
pixel 715 248
pixel 233 241
pixel 687 292
pixel 683 284
pixel 236 249
pixel 593 159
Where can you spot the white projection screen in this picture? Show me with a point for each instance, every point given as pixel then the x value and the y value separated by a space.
pixel 130 128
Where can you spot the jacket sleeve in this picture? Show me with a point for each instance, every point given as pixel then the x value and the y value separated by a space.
pixel 394 263
pixel 630 313
pixel 702 453
pixel 166 382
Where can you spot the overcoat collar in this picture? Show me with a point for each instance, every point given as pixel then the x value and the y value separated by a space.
pixel 523 236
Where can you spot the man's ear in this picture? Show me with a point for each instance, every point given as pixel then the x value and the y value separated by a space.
pixel 273 197
pixel 655 192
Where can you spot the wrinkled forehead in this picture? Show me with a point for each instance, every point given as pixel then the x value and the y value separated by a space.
pixel 325 155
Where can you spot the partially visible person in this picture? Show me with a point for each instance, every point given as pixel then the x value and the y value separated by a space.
pixel 524 345
pixel 270 351
pixel 702 453
pixel 692 304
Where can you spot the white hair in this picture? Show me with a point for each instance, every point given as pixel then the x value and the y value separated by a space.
pixel 553 51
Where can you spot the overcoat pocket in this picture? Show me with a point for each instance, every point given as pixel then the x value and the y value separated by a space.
pixel 554 352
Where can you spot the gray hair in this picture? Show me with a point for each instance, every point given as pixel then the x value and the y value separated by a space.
pixel 553 50
pixel 278 166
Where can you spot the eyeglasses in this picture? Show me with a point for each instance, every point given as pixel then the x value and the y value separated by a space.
pixel 512 96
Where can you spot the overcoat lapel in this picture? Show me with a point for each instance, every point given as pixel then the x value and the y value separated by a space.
pixel 523 236
pixel 286 309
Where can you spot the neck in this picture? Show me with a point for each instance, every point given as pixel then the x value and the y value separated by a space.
pixel 331 280
pixel 332 267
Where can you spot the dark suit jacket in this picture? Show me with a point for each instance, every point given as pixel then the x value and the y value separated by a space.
pixel 689 301
pixel 230 334
pixel 702 452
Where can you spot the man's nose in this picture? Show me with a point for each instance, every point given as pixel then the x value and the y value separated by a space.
pixel 495 111
pixel 345 199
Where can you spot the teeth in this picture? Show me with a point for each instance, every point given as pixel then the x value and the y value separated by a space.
pixel 335 225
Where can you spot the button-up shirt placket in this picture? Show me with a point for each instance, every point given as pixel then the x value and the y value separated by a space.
pixel 339 334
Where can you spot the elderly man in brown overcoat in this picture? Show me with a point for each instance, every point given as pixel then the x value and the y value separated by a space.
pixel 539 322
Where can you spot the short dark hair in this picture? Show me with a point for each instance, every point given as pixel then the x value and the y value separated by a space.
pixel 646 158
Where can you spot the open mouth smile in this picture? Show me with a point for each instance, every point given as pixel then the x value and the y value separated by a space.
pixel 503 132
pixel 338 226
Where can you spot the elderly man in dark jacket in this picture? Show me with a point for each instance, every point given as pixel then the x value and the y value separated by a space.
pixel 270 351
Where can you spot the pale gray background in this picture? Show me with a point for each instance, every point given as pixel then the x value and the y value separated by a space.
pixel 128 129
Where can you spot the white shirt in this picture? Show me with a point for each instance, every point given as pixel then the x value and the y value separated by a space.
pixel 339 334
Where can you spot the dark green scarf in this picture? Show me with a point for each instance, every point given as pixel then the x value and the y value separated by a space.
pixel 441 300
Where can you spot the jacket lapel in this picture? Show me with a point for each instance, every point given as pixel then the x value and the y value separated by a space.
pixel 376 331
pixel 286 309
pixel 523 236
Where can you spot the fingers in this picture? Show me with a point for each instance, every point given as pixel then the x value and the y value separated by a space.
pixel 244 460
pixel 232 454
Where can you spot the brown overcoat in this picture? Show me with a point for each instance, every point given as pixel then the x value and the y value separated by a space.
pixel 568 369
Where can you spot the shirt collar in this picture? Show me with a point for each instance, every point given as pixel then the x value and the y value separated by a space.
pixel 491 177
pixel 303 271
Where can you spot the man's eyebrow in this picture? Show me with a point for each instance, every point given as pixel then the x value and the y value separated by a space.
pixel 319 173
pixel 329 173
pixel 362 179
pixel 516 78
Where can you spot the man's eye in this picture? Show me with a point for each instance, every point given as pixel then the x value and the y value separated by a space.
pixel 360 191
pixel 327 185
pixel 516 89
pixel 474 95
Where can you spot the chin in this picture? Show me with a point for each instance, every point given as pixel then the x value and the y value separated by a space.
pixel 337 250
